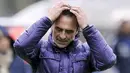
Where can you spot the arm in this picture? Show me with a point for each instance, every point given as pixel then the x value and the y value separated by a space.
pixel 27 45
pixel 101 55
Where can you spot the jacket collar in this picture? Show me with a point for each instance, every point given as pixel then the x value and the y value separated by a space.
pixel 69 48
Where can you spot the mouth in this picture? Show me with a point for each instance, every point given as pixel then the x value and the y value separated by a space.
pixel 62 42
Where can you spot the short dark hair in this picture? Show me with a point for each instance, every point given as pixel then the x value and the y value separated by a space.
pixel 68 13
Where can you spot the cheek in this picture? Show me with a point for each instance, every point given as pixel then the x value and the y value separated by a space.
pixel 72 36
pixel 55 34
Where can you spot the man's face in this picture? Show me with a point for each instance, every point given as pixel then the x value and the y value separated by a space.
pixel 64 31
pixel 4 43
pixel 126 28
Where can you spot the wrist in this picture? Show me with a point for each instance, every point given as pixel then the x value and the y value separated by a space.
pixel 84 26
pixel 50 18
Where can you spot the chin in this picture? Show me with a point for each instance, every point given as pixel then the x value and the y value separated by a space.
pixel 61 46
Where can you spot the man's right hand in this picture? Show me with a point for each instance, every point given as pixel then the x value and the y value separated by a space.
pixel 56 10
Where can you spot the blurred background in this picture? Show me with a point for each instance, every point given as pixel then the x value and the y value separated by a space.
pixel 106 15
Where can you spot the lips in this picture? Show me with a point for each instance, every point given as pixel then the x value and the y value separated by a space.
pixel 62 42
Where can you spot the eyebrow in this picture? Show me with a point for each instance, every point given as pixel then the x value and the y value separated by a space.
pixel 58 28
pixel 63 29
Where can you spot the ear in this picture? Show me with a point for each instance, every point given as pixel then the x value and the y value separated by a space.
pixel 77 32
pixel 52 27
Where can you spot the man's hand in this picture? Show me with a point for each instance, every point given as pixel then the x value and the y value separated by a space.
pixel 56 10
pixel 81 16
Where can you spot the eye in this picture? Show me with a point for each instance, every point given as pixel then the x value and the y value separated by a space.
pixel 58 29
pixel 69 31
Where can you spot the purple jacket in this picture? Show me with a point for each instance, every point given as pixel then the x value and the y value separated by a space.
pixel 45 57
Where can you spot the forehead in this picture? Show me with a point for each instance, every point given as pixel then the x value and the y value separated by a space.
pixel 66 22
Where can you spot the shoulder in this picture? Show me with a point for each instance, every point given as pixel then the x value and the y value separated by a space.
pixel 44 43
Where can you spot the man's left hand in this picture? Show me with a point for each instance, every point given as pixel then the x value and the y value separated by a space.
pixel 80 15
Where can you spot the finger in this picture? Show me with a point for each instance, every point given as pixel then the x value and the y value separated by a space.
pixel 75 13
pixel 64 4
pixel 65 8
pixel 59 4
pixel 77 9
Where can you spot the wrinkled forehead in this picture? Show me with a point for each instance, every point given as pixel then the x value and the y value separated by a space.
pixel 66 21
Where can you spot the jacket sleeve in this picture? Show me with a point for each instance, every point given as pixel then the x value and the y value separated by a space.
pixel 27 45
pixel 101 54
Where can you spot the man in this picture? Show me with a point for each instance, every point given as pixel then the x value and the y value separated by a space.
pixel 122 47
pixel 63 52
pixel 9 61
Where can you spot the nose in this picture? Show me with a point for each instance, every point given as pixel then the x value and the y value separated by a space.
pixel 62 35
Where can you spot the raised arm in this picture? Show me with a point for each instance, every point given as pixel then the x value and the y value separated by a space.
pixel 28 44
pixel 101 54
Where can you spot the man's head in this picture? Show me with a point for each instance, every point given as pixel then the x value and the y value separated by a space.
pixel 5 40
pixel 124 28
pixel 65 29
